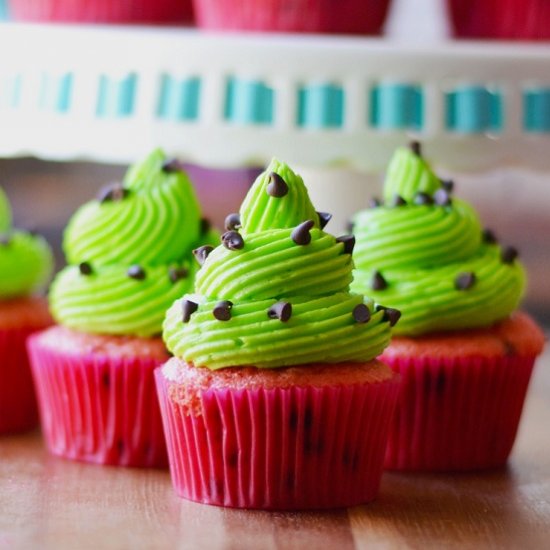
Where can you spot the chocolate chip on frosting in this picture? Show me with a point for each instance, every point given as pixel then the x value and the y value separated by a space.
pixel 398 200
pixel 232 240
pixel 488 236
pixel 448 185
pixel 324 218
pixel 464 281
pixel 361 313
pixel 416 148
pixel 374 202
pixel 442 197
pixel 136 272
pixel 222 310
pixel 378 282
pixel 277 186
pixel 301 233
pixel 232 222
pixel 281 311
pixel 202 252
pixel 205 226
pixel 391 315
pixel 175 274
pixel 187 309
pixel 422 198
pixel 112 192
pixel 508 255
pixel 85 268
pixel 349 243
pixel 172 165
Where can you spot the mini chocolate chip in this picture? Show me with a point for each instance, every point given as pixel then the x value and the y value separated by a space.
pixel 361 313
pixel 398 200
pixel 509 254
pixel 324 218
pixel 422 198
pixel 374 202
pixel 187 309
pixel 175 274
pixel 136 272
pixel 112 192
pixel 5 240
pixel 172 165
pixel 277 186
pixel 85 268
pixel 222 310
pixel 448 185
pixel 202 252
pixel 442 198
pixel 232 222
pixel 300 234
pixel 391 315
pixel 416 148
pixel 232 240
pixel 378 282
pixel 464 281
pixel 349 243
pixel 281 311
pixel 205 226
pixel 488 236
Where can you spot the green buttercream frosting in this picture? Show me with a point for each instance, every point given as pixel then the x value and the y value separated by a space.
pixel 130 253
pixel 26 261
pixel 272 268
pixel 430 260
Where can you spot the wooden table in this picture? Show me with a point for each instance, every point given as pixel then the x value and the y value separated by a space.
pixel 47 502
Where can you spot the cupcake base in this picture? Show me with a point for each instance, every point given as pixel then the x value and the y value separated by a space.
pixel 462 396
pixel 19 318
pixel 306 437
pixel 97 397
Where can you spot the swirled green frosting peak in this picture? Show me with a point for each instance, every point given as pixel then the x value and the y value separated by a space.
pixel 26 260
pixel 263 210
pixel 276 292
pixel 424 252
pixel 130 252
pixel 409 174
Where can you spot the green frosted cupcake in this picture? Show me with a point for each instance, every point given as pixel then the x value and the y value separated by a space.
pixel 25 268
pixel 274 384
pixel 130 256
pixel 464 353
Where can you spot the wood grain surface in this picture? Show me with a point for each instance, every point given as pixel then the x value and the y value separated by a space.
pixel 50 503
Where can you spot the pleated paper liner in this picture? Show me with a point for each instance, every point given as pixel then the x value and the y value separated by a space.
pixel 276 448
pixel 97 406
pixel 102 11
pixel 462 395
pixel 18 411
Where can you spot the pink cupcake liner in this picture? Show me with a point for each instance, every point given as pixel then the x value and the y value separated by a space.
pixel 97 408
pixel 102 11
pixel 456 414
pixel 278 448
pixel 18 410
pixel 501 19
pixel 324 16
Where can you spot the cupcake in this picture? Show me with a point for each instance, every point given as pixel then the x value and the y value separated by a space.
pixel 102 11
pixel 274 399
pixel 495 19
pixel 464 354
pixel 25 266
pixel 129 256
pixel 313 16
